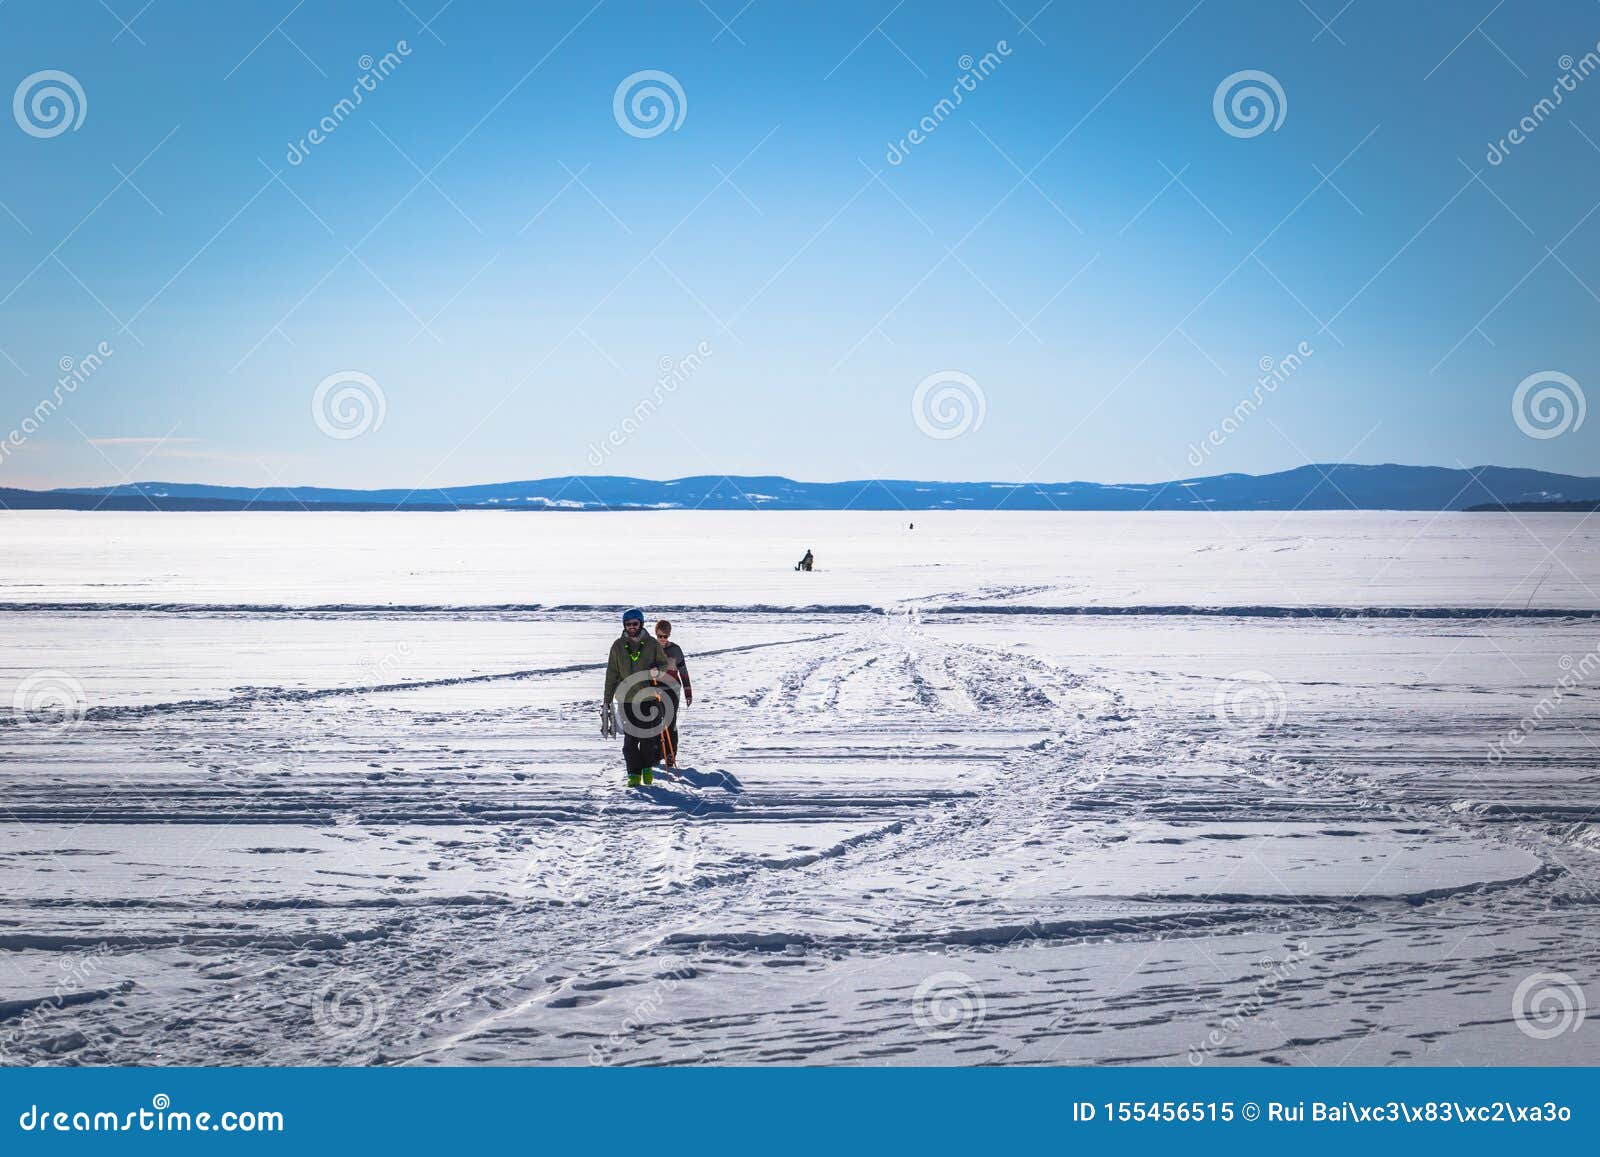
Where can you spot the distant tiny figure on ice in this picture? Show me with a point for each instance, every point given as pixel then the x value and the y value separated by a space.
pixel 634 670
pixel 806 562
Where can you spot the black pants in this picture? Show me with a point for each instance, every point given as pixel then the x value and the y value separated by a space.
pixel 641 730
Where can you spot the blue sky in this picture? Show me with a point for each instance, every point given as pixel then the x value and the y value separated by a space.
pixel 1081 239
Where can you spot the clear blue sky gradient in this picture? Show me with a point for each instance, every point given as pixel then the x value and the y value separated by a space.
pixel 1037 240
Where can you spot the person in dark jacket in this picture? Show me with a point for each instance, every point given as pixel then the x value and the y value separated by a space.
pixel 806 562
pixel 633 677
pixel 676 685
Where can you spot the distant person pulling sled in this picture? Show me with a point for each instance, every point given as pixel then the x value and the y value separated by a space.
pixel 633 679
pixel 675 685
pixel 805 563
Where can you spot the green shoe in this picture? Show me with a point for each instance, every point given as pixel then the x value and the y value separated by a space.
pixel 649 776
pixel 633 779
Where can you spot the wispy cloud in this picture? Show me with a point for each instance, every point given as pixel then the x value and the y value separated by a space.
pixel 157 441
pixel 207 455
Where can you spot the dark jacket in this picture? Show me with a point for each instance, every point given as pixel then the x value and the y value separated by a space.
pixel 629 657
pixel 678 670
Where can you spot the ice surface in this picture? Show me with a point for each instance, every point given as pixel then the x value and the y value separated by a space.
pixel 387 830
pixel 708 558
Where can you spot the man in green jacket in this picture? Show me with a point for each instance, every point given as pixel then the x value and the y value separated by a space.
pixel 634 669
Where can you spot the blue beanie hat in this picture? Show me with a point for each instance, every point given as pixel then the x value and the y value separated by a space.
pixel 633 613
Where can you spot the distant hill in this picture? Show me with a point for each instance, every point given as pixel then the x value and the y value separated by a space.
pixel 1589 507
pixel 1330 487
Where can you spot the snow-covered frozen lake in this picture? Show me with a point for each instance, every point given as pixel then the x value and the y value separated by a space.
pixel 1002 789
pixel 688 558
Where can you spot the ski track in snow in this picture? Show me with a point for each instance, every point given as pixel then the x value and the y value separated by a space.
pixel 986 836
